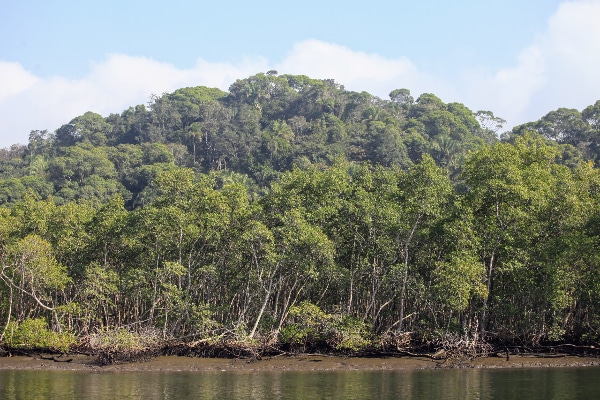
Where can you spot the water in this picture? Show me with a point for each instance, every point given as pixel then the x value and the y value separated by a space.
pixel 535 383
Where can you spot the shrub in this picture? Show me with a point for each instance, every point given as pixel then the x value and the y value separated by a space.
pixel 350 334
pixel 122 340
pixel 309 326
pixel 118 345
pixel 34 334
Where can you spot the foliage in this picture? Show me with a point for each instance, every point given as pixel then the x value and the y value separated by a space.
pixel 34 334
pixel 290 208
pixel 350 334
pixel 123 340
pixel 309 327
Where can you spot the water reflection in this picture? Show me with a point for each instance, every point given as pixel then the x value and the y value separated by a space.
pixel 542 383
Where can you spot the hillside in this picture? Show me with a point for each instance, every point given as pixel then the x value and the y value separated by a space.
pixel 264 126
pixel 292 214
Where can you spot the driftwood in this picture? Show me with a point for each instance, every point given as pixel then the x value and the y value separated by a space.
pixel 58 359
pixel 560 350
pixel 54 358
pixel 438 355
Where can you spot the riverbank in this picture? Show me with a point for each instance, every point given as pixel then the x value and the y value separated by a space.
pixel 289 363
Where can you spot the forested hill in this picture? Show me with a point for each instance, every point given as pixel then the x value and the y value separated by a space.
pixel 263 126
pixel 295 212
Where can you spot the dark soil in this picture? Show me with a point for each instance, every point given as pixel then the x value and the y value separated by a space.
pixel 290 363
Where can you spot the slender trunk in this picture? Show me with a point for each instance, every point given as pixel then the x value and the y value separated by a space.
pixel 194 149
pixel 154 284
pixel 10 302
pixel 402 294
pixel 165 324
pixel 180 255
pixel 375 285
pixel 384 305
pixel 490 268
pixel 262 309
pixel 352 270
pixel 290 303
pixel 105 255
pixel 351 291
pixel 405 276
pixel 267 292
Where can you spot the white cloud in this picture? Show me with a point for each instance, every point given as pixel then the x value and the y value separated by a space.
pixel 111 86
pixel 14 79
pixel 572 49
pixel 121 81
pixel 357 70
pixel 124 76
pixel 507 93
pixel 559 69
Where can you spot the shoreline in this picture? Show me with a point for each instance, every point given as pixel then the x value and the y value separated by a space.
pixel 298 363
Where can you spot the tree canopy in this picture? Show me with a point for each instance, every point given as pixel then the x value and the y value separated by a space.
pixel 291 208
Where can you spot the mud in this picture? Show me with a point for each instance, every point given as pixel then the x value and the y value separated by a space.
pixel 289 363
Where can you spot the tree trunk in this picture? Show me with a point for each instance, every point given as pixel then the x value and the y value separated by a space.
pixel 405 277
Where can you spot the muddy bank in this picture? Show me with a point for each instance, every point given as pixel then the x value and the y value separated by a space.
pixel 289 363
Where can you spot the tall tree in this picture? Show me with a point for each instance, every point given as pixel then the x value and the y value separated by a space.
pixel 509 186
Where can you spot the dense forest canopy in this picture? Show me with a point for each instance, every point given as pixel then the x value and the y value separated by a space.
pixel 294 209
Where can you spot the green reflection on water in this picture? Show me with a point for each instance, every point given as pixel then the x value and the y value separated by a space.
pixel 541 383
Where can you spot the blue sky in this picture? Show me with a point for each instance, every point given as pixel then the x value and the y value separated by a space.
pixel 519 59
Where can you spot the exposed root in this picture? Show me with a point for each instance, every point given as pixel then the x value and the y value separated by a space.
pixel 122 346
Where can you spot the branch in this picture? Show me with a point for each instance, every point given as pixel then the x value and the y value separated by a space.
pixel 10 282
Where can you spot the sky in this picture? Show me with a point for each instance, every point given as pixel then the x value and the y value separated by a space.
pixel 518 59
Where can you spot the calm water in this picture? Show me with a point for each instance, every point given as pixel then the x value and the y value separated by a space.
pixel 541 383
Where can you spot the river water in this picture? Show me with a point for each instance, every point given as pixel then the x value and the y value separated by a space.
pixel 527 383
